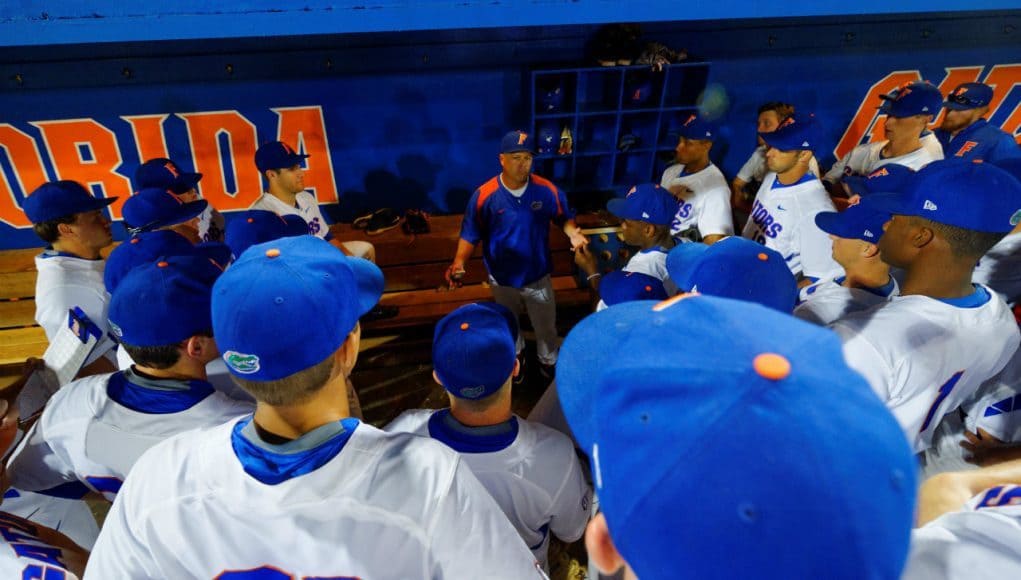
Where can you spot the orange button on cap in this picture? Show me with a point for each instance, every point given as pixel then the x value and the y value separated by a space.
pixel 772 366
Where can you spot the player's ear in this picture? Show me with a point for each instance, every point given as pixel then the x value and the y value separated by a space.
pixel 601 551
pixel 517 367
pixel 348 352
pixel 869 250
pixel 922 235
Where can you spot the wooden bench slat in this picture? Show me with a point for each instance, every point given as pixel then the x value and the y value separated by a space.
pixel 17 284
pixel 17 313
pixel 17 344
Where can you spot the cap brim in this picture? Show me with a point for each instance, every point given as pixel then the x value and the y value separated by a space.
pixel 616 207
pixel 370 283
pixel 856 183
pixel 682 261
pixel 891 202
pixel 829 222
pixel 184 213
pixel 778 143
pixel 954 106
pixel 518 150
pixel 295 225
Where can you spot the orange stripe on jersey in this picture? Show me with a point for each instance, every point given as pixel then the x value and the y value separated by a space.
pixel 556 193
pixel 485 190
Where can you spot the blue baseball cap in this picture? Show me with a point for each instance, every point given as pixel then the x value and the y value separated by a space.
pixel 257 226
pixel 474 351
pixel 620 286
pixel 917 98
pixel 858 222
pixel 889 177
pixel 154 207
pixel 695 127
pixel 164 174
pixel 734 268
pixel 149 247
pixel 795 133
pixel 647 202
pixel 277 155
pixel 756 429
pixel 955 192
pixel 163 302
pixel 280 291
pixel 969 96
pixel 517 141
pixel 58 199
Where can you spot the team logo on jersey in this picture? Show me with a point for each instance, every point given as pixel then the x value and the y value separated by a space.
pixel 472 392
pixel 1016 218
pixel 536 205
pixel 245 364
pixel 928 205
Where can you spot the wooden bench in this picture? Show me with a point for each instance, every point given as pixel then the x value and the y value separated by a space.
pixel 413 267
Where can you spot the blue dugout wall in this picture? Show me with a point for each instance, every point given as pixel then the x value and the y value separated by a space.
pixel 405 102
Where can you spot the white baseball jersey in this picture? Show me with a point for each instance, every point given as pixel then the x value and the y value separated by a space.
pixel 71 517
pixel 345 500
pixel 982 540
pixel 755 168
pixel 533 473
pixel 305 206
pixel 94 429
pixel 867 157
pixel 828 300
pixel 29 551
pixel 66 281
pixel 995 408
pixel 708 208
pixel 924 357
pixel 652 262
pixel 1000 268
pixel 211 225
pixel 783 219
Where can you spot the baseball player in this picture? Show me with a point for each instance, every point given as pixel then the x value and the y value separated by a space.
pixel 866 279
pixel 734 268
pixel 783 216
pixel 511 215
pixel 970 526
pixel 646 214
pixel 750 175
pixel 165 174
pixel 702 434
pixel 280 164
pixel 966 134
pixel 529 469
pixel 353 501
pixel 1000 268
pixel 703 214
pixel 909 109
pixel 155 208
pixel 929 349
pixel 29 550
pixel 75 228
pixel 93 430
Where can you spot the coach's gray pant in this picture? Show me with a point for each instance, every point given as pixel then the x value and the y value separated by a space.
pixel 539 301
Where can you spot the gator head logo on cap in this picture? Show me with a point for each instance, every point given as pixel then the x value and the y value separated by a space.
pixel 1016 218
pixel 472 392
pixel 245 364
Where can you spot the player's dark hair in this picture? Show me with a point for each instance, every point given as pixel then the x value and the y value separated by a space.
pixel 49 231
pixel 159 357
pixel 782 110
pixel 965 243
pixel 292 389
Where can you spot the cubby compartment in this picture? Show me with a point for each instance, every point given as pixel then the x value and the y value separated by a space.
pixel 596 135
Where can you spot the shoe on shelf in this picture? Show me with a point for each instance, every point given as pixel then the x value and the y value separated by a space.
pixel 382 220
pixel 380 312
pixel 362 221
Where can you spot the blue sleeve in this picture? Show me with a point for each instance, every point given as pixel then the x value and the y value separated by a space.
pixel 329 234
pixel 470 230
pixel 568 213
pixel 1005 148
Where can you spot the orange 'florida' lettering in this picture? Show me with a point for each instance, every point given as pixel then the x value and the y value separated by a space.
pixel 27 165
pixel 305 129
pixel 87 152
pixel 149 136
pixel 1003 78
pixel 204 132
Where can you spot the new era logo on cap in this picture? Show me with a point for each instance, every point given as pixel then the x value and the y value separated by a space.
pixel 928 205
pixel 869 234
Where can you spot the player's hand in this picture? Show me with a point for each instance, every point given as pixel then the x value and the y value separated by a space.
pixel 578 240
pixel 986 449
pixel 454 275
pixel 680 192
pixel 586 260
